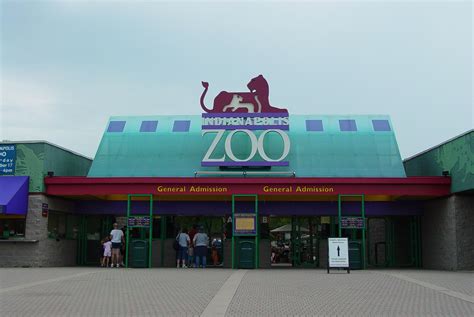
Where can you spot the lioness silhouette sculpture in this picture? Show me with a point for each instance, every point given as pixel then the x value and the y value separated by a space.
pixel 255 101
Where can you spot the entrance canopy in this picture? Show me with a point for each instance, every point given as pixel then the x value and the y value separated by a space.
pixel 14 195
pixel 276 196
pixel 283 189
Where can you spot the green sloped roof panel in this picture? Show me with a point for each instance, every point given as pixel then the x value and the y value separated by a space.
pixel 455 156
pixel 327 153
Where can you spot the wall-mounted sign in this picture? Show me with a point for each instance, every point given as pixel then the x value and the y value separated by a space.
pixel 352 223
pixel 325 220
pixel 243 113
pixel 338 252
pixel 296 189
pixel 139 221
pixel 7 159
pixel 44 209
pixel 245 224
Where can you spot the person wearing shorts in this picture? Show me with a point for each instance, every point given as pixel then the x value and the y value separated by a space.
pixel 116 237
pixel 107 252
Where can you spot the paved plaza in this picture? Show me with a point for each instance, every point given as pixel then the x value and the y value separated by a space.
pixel 222 292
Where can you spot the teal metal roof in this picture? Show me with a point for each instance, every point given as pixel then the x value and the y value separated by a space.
pixel 326 151
pixel 455 156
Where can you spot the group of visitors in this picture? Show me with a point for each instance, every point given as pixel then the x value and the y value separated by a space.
pixel 192 248
pixel 113 248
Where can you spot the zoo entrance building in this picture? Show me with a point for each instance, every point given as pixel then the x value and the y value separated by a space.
pixel 260 183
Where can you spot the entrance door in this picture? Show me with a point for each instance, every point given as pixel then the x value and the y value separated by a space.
pixel 304 242
pixel 214 227
pixel 92 229
pixel 295 241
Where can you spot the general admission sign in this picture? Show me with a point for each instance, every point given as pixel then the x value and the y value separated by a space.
pixel 239 115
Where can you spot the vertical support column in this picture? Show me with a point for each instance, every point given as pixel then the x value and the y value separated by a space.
pixel 162 240
pixel 150 232
pixel 257 237
pixel 363 234
pixel 127 251
pixel 332 226
pixel 339 207
pixel 233 236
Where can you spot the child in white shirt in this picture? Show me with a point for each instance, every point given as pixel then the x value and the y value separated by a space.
pixel 107 252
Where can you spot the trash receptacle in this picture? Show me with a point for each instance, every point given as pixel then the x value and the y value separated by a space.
pixel 355 255
pixel 139 253
pixel 246 254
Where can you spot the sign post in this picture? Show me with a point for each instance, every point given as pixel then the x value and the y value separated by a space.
pixel 338 253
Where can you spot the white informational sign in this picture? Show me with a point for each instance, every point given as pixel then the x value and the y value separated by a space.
pixel 338 252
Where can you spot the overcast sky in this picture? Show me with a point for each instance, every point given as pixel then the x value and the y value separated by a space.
pixel 67 66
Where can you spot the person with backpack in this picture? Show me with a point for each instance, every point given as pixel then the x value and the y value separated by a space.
pixel 183 243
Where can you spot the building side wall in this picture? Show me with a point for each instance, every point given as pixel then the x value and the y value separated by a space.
pixel 455 156
pixel 438 234
pixel 465 232
pixel 376 239
pixel 36 159
pixel 46 251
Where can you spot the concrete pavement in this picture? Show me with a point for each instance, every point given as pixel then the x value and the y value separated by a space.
pixel 219 292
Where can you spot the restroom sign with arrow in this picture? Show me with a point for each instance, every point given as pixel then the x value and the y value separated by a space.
pixel 338 253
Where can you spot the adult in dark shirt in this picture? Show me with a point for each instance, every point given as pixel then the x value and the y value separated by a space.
pixel 192 232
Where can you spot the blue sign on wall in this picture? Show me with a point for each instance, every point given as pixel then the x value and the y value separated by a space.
pixel 7 159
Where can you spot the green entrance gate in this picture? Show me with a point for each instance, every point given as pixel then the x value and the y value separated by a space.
pixel 91 230
pixel 357 254
pixel 245 235
pixel 138 247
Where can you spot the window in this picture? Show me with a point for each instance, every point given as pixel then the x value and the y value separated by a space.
pixel 62 225
pixel 347 125
pixel 381 125
pixel 12 227
pixel 314 125
pixel 148 126
pixel 56 225
pixel 72 226
pixel 116 126
pixel 181 125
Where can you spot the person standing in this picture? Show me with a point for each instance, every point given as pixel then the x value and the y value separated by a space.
pixel 107 252
pixel 183 241
pixel 191 234
pixel 200 241
pixel 116 237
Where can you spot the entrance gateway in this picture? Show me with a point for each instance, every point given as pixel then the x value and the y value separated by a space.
pixel 286 183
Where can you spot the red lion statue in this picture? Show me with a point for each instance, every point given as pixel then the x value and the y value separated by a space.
pixel 255 101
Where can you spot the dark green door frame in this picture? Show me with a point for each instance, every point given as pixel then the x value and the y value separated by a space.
pixel 339 205
pixel 150 227
pixel 257 234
